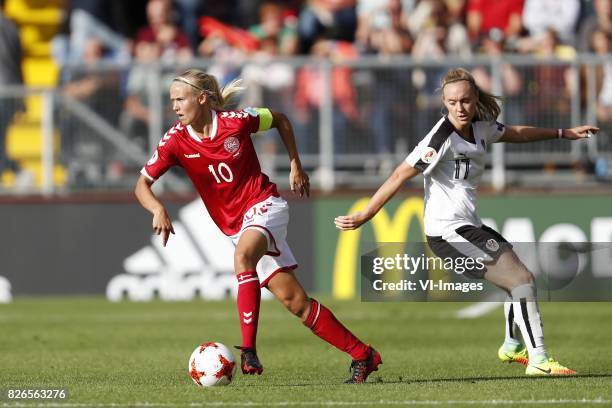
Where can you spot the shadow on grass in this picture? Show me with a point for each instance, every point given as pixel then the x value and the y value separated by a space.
pixel 402 380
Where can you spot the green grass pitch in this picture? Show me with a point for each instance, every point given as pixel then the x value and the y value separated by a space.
pixel 135 354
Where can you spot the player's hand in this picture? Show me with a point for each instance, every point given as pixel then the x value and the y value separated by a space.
pixel 298 181
pixel 162 224
pixel 350 222
pixel 580 132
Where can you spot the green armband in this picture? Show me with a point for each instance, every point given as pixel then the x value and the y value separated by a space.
pixel 265 118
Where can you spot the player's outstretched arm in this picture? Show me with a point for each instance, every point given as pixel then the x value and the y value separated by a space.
pixel 298 179
pixel 161 221
pixel 389 188
pixel 526 134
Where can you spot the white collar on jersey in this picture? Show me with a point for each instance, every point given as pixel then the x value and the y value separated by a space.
pixel 213 132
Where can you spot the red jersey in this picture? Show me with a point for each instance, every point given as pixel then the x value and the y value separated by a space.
pixel 224 168
pixel 495 14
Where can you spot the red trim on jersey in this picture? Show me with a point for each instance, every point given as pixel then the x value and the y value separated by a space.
pixel 281 269
pixel 271 253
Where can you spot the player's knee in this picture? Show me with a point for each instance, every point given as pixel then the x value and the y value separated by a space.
pixel 524 277
pixel 244 261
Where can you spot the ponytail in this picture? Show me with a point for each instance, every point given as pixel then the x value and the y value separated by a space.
pixel 229 91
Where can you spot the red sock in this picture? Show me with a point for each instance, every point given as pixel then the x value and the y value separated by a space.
pixel 249 296
pixel 324 324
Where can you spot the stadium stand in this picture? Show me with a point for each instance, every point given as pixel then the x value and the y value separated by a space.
pixel 390 54
pixel 38 22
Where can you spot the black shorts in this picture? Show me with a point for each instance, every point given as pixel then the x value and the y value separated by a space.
pixel 483 244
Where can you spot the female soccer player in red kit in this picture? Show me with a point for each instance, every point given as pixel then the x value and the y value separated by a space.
pixel 215 149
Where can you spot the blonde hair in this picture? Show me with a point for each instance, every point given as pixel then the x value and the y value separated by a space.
pixel 218 97
pixel 487 107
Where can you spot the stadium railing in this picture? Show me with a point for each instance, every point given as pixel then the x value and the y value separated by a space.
pixel 355 119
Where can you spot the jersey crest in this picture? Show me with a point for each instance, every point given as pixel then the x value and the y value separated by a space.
pixel 231 145
pixel 492 245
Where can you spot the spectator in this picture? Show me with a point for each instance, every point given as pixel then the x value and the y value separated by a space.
pixel 601 45
pixel 276 26
pixel 219 47
pixel 551 85
pixel 448 17
pixel 276 36
pixel 309 93
pixel 549 45
pixel 430 43
pixel 458 41
pixel 383 27
pixel 10 74
pixel 189 10
pixel 539 16
pixel 492 45
pixel 232 36
pixel 231 12
pixel 456 11
pixel 99 91
pixel 136 118
pixel 87 19
pixel 484 15
pixel 161 30
pixel 120 16
pixel 384 30
pixel 327 19
pixel 599 20
pixel 268 82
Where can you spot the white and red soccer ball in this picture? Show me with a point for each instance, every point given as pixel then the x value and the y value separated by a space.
pixel 212 364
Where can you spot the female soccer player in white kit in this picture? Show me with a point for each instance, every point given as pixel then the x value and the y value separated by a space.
pixel 214 147
pixel 452 160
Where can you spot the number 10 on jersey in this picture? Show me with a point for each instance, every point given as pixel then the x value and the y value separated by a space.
pixel 222 172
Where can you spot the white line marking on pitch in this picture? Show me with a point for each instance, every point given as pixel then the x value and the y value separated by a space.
pixel 476 310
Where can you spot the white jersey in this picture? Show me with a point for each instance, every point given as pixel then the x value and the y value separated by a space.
pixel 452 168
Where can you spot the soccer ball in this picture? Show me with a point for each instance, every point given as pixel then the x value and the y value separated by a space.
pixel 212 364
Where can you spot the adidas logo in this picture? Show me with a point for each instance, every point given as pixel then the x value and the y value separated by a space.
pixel 197 262
pixel 5 290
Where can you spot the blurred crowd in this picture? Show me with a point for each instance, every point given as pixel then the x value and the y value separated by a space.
pixel 231 32
pixel 182 29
